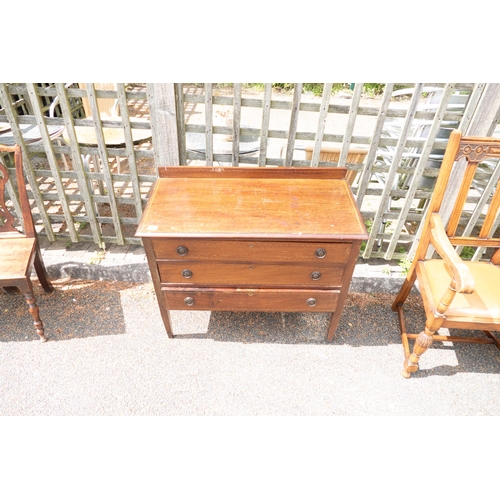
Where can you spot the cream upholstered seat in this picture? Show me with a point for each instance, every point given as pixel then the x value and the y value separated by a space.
pixel 483 304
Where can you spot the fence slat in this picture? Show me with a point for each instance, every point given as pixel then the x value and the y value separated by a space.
pixel 129 144
pixel 103 153
pixel 323 113
pixel 471 106
pixel 49 150
pixel 367 171
pixel 353 110
pixel 181 122
pixel 391 177
pixel 273 117
pixel 162 109
pixel 236 125
pixel 266 115
pixel 209 121
pixel 5 99
pixel 464 124
pixel 482 124
pixel 83 182
pixel 417 175
pixel 294 118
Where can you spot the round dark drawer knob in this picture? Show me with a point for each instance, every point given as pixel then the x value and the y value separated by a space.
pixel 320 253
pixel 316 275
pixel 182 250
pixel 311 302
pixel 186 273
pixel 189 301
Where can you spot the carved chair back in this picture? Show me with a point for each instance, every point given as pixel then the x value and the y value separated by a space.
pixel 481 157
pixel 7 219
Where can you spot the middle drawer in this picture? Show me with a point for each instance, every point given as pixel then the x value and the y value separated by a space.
pixel 217 274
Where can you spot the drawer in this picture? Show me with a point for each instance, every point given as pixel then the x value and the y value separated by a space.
pixel 206 274
pixel 238 299
pixel 251 251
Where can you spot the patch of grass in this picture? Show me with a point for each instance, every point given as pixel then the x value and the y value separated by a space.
pixel 405 265
pixel 98 256
pixel 314 88
pixel 374 89
pixel 467 253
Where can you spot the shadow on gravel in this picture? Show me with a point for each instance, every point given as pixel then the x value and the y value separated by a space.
pixel 367 321
pixel 76 309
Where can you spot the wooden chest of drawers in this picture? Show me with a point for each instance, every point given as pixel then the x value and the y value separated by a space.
pixel 252 239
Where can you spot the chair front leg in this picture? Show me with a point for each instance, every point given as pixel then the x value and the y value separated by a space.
pixel 27 291
pixel 432 325
pixel 422 343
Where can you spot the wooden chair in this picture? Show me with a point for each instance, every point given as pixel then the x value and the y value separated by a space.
pixel 456 294
pixel 20 251
pixel 332 154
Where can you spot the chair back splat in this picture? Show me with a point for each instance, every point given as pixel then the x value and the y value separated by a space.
pixel 457 293
pixel 5 214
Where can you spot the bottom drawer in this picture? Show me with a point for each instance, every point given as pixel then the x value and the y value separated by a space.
pixel 246 299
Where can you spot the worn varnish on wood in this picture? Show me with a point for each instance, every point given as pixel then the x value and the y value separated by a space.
pixel 252 239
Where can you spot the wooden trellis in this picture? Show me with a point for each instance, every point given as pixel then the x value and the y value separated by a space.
pixel 61 181
pixel 103 201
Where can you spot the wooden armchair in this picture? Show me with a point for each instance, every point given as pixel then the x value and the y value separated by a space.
pixel 19 252
pixel 456 294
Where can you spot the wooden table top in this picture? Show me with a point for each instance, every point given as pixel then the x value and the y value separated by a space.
pixel 113 136
pixel 258 207
pixel 31 133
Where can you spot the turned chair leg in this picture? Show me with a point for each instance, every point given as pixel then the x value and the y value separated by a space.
pixel 27 291
pixel 35 312
pixel 422 343
pixel 432 325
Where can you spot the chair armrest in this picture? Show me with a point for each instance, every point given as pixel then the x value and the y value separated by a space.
pixel 459 270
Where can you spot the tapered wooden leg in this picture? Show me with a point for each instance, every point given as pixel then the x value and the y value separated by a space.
pixel 334 322
pixel 35 312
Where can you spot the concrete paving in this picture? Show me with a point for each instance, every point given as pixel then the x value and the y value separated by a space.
pixel 108 353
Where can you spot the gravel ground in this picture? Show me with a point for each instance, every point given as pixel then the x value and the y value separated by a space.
pixel 108 354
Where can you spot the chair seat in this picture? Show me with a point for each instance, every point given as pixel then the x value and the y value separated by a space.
pixel 482 305
pixel 15 256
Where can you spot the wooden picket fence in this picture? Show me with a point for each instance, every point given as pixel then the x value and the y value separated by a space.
pixel 392 146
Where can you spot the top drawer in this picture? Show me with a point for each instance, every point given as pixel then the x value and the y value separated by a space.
pixel 251 251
